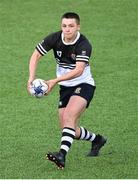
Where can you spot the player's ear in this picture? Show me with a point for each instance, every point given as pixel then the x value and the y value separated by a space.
pixel 78 27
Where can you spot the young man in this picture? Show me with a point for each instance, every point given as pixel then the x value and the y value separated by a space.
pixel 72 52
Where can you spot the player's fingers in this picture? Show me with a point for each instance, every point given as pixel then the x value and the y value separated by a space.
pixel 29 85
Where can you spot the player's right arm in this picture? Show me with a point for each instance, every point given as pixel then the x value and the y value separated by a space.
pixel 41 49
pixel 32 67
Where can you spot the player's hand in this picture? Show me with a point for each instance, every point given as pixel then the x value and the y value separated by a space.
pixel 29 85
pixel 51 83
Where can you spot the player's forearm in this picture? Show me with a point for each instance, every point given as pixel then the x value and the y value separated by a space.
pixel 71 75
pixel 33 65
pixel 32 69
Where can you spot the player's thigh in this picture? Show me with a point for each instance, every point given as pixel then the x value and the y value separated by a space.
pixel 74 108
pixel 69 116
pixel 71 112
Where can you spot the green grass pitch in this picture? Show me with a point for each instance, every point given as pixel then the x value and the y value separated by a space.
pixel 29 127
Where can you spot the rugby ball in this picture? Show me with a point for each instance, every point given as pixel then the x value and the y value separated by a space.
pixel 38 88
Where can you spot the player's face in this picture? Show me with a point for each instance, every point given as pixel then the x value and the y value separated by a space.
pixel 69 28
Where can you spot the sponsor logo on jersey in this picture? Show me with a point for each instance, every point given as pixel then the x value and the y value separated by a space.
pixel 83 53
pixel 59 53
pixel 77 91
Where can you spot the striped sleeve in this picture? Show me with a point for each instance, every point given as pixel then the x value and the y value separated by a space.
pixel 83 51
pixel 47 43
pixel 41 49
pixel 82 58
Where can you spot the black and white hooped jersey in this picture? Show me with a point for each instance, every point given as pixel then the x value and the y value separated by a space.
pixel 67 54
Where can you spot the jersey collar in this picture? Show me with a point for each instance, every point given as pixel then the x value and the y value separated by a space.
pixel 71 43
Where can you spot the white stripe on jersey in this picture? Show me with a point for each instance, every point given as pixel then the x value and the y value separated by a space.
pixel 82 58
pixel 38 48
pixel 86 77
pixel 65 65
pixel 41 49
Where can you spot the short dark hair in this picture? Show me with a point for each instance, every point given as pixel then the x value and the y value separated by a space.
pixel 71 15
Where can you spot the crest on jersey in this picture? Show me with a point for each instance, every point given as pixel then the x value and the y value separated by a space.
pixel 73 56
pixel 59 53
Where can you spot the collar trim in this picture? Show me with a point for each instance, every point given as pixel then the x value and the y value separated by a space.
pixel 70 43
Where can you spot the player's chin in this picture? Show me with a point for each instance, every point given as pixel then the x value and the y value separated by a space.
pixel 68 36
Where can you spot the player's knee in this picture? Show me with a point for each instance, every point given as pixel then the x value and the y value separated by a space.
pixel 69 119
pixel 67 116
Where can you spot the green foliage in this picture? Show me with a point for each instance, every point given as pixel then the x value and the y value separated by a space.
pixel 29 127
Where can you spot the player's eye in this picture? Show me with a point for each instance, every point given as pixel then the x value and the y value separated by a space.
pixel 63 25
pixel 71 25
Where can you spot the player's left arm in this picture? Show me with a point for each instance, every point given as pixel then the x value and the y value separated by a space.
pixel 80 66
